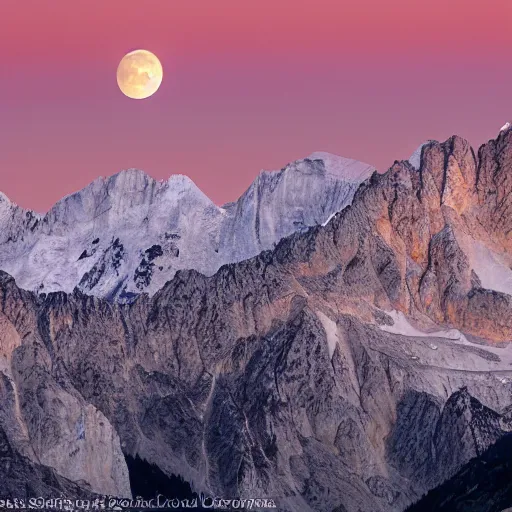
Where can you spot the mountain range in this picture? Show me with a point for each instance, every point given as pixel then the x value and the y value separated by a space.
pixel 129 233
pixel 348 351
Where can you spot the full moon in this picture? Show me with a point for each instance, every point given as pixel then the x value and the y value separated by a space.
pixel 139 74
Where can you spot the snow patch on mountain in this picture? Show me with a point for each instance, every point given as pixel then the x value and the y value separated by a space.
pixel 403 327
pixel 331 332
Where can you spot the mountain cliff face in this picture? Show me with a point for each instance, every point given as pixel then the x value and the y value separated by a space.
pixel 352 367
pixel 129 234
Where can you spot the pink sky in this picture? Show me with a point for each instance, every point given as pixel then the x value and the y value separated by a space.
pixel 248 85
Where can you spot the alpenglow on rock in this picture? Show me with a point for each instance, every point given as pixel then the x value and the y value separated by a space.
pixel 129 233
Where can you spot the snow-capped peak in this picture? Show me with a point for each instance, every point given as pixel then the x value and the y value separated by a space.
pixel 507 126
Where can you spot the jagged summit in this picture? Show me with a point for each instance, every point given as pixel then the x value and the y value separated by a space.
pixel 127 183
pixel 127 197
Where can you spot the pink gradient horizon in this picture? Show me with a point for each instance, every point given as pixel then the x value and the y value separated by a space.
pixel 247 86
